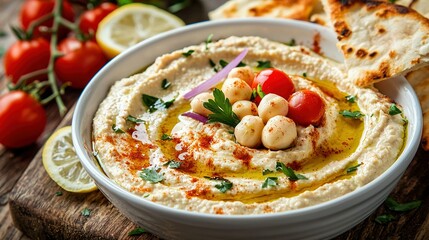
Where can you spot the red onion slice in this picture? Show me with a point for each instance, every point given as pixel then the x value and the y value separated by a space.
pixel 196 116
pixel 206 85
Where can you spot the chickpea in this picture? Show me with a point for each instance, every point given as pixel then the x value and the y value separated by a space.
pixel 236 89
pixel 244 73
pixel 243 108
pixel 248 132
pixel 197 103
pixel 279 133
pixel 272 105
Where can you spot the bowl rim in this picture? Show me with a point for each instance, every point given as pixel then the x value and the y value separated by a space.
pixel 393 172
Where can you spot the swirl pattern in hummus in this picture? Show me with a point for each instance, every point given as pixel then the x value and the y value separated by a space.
pixel 322 154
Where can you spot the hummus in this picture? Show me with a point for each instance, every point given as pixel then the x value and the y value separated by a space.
pixel 182 163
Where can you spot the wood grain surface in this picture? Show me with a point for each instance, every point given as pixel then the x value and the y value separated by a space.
pixel 30 208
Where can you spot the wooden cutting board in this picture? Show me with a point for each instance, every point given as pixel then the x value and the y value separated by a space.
pixel 40 213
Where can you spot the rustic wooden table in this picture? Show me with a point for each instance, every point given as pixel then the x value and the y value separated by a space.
pixel 29 207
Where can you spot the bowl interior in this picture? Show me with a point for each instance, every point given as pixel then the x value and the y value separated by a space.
pixel 143 54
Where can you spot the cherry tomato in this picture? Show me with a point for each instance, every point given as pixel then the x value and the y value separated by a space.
pixel 273 80
pixel 34 9
pixel 80 62
pixel 22 119
pixel 90 19
pixel 306 107
pixel 26 56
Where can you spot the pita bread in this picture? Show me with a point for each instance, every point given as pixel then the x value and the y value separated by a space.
pixel 378 39
pixel 419 79
pixel 293 9
pixel 421 6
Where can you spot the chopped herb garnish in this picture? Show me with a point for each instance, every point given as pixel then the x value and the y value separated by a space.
pixel 401 207
pixel 209 40
pixel 270 182
pixel 188 53
pixel 383 219
pixel 224 185
pixel 291 43
pixel 151 175
pixel 259 91
pixel 266 171
pixel 86 212
pixel 116 129
pixel 289 172
pixel 353 168
pixel 222 109
pixel 137 231
pixel 263 64
pixel 59 193
pixel 350 98
pixel 179 5
pixel 134 119
pixel 146 195
pixel 304 74
pixel 393 110
pixel 173 164
pixel 350 114
pixel 212 64
pixel 124 2
pixel 165 136
pixel 165 84
pixel 154 103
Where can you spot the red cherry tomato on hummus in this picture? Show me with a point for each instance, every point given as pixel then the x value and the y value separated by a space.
pixel 32 10
pixel 25 57
pixel 273 80
pixel 80 62
pixel 22 119
pixel 306 107
pixel 90 19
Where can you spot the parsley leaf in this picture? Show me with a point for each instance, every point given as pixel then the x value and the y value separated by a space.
pixel 393 110
pixel 165 136
pixel 291 43
pixel 208 40
pixel 350 114
pixel 124 2
pixel 353 168
pixel 154 103
pixel 137 231
pixel 270 182
pixel 165 84
pixel 188 53
pixel 401 207
pixel 266 171
pixel 59 193
pixel 222 109
pixel 173 164
pixel 151 175
pixel 116 129
pixel 259 91
pixel 263 64
pixel 289 172
pixel 383 219
pixel 224 185
pixel 86 212
pixel 134 119
pixel 350 98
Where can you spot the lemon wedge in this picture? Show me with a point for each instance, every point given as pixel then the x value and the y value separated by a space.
pixel 131 24
pixel 62 164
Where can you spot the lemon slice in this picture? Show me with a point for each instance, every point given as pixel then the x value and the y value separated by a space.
pixel 131 24
pixel 62 164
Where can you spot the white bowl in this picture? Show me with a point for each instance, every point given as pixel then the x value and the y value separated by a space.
pixel 321 221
